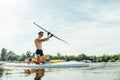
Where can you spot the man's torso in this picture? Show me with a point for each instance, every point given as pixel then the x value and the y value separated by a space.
pixel 38 43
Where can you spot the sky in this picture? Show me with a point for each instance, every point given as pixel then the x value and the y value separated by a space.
pixel 91 27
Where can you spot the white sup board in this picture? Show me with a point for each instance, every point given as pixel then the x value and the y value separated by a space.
pixel 48 65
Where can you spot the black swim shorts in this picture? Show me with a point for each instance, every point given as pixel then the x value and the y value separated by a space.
pixel 39 52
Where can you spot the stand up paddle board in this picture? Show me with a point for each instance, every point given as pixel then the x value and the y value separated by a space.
pixel 48 65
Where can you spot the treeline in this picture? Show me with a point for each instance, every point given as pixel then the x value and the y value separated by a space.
pixel 12 56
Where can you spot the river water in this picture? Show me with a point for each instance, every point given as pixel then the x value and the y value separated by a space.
pixel 96 71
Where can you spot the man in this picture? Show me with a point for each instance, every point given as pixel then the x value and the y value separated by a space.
pixel 39 51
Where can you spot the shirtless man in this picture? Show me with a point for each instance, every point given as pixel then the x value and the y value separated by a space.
pixel 39 51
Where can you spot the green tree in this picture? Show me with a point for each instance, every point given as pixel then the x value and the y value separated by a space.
pixel 11 56
pixel 30 54
pixel 22 57
pixel 82 57
pixel 48 57
pixel 1 72
pixel 3 54
pixel 92 58
pixel 66 58
pixel 58 56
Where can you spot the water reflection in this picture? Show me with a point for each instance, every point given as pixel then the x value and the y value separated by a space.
pixel 39 73
pixel 1 72
pixel 99 71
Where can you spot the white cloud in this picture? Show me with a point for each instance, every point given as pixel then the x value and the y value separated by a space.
pixel 89 26
pixel 96 11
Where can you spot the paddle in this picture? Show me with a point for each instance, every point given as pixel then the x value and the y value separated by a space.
pixel 53 34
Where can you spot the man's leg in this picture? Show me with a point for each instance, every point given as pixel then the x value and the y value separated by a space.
pixel 42 59
pixel 38 59
pixel 33 60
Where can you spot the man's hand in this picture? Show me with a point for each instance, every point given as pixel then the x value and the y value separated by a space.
pixel 48 33
pixel 51 35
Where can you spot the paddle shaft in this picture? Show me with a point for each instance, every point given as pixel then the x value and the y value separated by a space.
pixel 48 31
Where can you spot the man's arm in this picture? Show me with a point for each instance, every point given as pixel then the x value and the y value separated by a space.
pixel 49 35
pixel 45 39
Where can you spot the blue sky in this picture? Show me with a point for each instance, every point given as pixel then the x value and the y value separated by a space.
pixel 90 26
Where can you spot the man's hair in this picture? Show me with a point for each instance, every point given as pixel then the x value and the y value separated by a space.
pixel 40 32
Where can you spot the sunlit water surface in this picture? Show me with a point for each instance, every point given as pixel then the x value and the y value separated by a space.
pixel 96 71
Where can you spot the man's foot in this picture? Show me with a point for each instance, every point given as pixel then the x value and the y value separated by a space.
pixel 29 60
